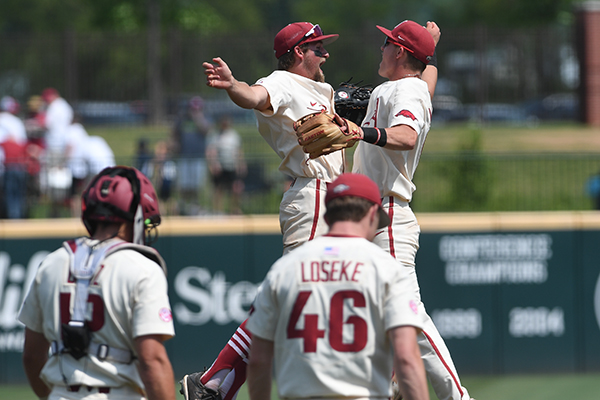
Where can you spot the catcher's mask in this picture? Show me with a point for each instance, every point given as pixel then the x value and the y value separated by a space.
pixel 122 194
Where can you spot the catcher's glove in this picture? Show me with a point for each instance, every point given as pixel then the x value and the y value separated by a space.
pixel 322 133
pixel 351 101
pixel 193 389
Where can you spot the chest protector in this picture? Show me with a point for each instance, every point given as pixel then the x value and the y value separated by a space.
pixel 84 262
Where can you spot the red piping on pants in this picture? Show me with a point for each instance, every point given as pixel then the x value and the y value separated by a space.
pixel 444 362
pixel 317 209
pixel 390 229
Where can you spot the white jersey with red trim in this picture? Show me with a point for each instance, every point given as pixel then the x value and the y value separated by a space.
pixel 327 306
pixel 127 298
pixel 292 97
pixel 401 102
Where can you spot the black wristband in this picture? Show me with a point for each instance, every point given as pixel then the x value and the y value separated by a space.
pixel 433 60
pixel 376 136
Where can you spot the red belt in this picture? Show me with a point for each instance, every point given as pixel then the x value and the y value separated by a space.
pixel 101 389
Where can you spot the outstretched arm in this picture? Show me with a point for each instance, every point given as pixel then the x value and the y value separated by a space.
pixel 218 75
pixel 430 74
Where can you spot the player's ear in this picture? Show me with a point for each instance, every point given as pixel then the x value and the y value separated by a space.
pixel 399 50
pixel 374 215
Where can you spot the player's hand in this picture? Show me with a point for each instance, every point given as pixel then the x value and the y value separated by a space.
pixel 218 75
pixel 434 30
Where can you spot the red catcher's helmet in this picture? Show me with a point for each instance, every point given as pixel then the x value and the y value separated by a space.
pixel 121 194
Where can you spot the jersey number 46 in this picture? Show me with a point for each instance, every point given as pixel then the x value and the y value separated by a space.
pixel 311 332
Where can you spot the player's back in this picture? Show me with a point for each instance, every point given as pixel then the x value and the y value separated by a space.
pixel 327 305
pixel 120 297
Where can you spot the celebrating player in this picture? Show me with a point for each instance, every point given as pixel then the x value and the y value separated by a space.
pixel 390 143
pixel 116 350
pixel 331 312
pixel 399 113
pixel 297 88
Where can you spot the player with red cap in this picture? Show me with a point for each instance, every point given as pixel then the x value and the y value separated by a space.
pixel 98 312
pixel 295 89
pixel 336 315
pixel 394 130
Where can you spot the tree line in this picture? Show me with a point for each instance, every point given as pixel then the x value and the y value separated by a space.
pixel 208 17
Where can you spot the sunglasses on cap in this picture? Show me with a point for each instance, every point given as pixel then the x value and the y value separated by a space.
pixel 390 41
pixel 314 32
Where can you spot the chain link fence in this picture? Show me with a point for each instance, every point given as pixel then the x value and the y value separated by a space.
pixel 519 76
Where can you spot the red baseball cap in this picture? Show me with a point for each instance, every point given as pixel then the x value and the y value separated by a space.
pixel 414 38
pixel 49 93
pixel 358 185
pixel 297 33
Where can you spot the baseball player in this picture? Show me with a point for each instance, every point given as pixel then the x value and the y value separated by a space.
pixel 399 114
pixel 390 143
pixel 296 89
pixel 337 314
pixel 97 312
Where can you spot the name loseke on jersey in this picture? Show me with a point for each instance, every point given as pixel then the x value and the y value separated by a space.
pixel 496 259
pixel 330 271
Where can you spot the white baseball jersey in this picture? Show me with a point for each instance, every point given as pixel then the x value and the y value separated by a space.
pixel 327 306
pixel 401 102
pixel 11 127
pixel 59 116
pixel 406 102
pixel 292 97
pixel 127 298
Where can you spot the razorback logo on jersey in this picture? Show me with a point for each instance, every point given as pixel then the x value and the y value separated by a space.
pixel 407 114
pixel 165 315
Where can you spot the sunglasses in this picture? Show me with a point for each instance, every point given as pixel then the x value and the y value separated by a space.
pixel 314 32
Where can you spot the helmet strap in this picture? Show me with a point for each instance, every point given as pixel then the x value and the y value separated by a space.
pixel 138 226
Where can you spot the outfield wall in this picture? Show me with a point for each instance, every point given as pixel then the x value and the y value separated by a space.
pixel 510 292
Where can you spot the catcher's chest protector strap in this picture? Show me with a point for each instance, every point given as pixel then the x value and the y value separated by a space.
pixel 84 261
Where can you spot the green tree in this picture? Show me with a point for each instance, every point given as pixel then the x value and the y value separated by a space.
pixel 208 17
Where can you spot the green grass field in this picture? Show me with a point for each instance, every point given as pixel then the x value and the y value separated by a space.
pixel 510 387
pixel 545 138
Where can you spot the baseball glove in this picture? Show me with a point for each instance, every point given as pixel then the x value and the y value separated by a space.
pixel 321 133
pixel 193 389
pixel 351 101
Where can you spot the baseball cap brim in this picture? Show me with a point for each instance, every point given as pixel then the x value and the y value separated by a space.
pixel 384 218
pixel 386 31
pixel 326 39
pixel 389 34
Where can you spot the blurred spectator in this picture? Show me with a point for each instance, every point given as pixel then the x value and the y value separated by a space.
pixel 34 120
pixel 162 172
pixel 76 153
pixel 56 176
pixel 227 166
pixel 593 189
pixel 15 177
pixel 11 126
pixel 189 136
pixel 98 154
pixel 142 155
pixel 59 115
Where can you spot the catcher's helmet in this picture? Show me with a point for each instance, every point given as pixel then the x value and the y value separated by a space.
pixel 121 194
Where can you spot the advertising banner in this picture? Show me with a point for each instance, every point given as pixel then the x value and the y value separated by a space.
pixel 505 299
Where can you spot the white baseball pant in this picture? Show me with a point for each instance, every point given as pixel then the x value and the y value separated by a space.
pixel 401 240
